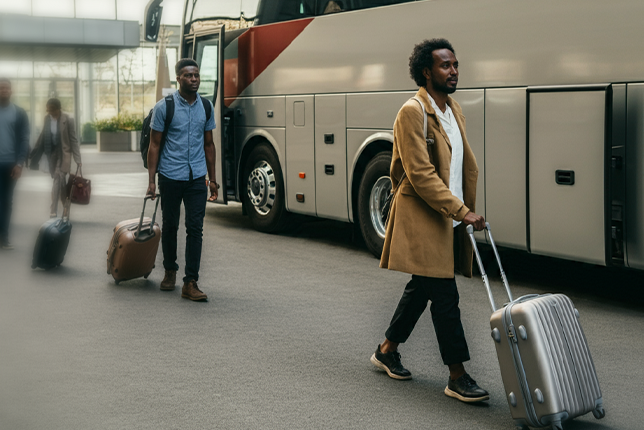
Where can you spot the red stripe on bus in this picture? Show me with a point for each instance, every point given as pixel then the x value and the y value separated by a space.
pixel 257 49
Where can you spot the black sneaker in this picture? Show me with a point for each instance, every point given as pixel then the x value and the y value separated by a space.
pixel 390 363
pixel 7 245
pixel 466 389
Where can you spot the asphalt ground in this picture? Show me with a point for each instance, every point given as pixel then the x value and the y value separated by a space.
pixel 285 339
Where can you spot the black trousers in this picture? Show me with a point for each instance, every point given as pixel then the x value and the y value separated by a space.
pixel 193 194
pixel 7 184
pixel 445 314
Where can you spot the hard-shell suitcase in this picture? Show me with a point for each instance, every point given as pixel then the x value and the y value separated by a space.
pixel 53 240
pixel 134 245
pixel 546 366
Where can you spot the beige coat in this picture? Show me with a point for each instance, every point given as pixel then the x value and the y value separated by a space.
pixel 420 237
pixel 69 142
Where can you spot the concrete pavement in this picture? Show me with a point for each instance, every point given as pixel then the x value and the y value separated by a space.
pixel 283 343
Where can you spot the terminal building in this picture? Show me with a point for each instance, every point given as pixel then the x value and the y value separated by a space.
pixel 88 53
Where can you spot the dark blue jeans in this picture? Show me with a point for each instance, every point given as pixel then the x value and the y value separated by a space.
pixel 445 314
pixel 193 194
pixel 7 185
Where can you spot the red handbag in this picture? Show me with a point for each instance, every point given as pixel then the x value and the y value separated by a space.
pixel 79 189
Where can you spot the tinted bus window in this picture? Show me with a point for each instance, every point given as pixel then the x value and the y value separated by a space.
pixel 270 11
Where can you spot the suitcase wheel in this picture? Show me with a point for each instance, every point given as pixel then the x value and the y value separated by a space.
pixel 599 412
pixel 117 282
pixel 146 275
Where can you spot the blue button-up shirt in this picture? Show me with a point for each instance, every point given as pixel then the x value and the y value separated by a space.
pixel 9 134
pixel 183 151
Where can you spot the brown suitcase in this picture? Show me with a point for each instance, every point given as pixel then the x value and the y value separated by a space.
pixel 134 245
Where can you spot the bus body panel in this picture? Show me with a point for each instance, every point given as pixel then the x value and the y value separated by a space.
pixel 375 110
pixel 505 165
pixel 567 132
pixel 300 154
pixel 261 111
pixel 331 157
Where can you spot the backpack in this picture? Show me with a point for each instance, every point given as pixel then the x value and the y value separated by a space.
pixel 169 114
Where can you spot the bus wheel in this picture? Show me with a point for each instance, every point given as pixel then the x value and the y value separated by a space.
pixel 263 195
pixel 375 186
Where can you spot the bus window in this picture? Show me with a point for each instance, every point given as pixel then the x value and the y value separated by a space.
pixel 270 11
pixel 208 59
pixel 366 4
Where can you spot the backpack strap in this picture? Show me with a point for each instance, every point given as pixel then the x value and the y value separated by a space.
pixel 207 107
pixel 169 114
pixel 424 115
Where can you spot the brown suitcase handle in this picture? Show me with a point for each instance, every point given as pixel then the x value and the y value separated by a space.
pixel 154 216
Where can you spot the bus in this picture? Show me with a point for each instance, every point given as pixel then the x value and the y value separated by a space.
pixel 306 93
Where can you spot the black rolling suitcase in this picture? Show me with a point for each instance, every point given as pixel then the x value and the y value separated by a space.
pixel 52 242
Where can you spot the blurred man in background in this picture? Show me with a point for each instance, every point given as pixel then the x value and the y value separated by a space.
pixel 14 148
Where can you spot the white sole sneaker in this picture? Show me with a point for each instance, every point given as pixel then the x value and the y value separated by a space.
pixel 380 365
pixel 455 395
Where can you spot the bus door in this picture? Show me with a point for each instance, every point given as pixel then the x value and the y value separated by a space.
pixel 207 50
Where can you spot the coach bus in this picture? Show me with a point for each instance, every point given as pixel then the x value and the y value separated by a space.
pixel 306 93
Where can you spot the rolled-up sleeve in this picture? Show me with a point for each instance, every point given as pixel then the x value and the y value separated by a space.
pixel 158 117
pixel 210 124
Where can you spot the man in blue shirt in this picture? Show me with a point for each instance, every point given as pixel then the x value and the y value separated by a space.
pixel 183 161
pixel 14 148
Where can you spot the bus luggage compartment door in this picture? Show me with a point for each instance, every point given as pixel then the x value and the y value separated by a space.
pixel 331 157
pixel 568 153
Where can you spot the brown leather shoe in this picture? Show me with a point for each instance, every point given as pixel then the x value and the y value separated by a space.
pixel 169 280
pixel 191 291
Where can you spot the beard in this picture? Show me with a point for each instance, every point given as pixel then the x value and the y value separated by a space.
pixel 443 88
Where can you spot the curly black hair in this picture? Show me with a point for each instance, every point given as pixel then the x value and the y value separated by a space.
pixel 421 57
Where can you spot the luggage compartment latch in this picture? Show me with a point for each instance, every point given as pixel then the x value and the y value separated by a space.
pixel 512 334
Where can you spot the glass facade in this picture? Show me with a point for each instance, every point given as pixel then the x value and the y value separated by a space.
pixel 125 84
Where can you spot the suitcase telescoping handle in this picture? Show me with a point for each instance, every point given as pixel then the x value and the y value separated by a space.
pixel 470 232
pixel 154 215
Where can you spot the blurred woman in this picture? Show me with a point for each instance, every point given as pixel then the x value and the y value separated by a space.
pixel 58 143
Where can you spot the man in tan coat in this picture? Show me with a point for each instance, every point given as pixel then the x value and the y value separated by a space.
pixel 59 143
pixel 434 182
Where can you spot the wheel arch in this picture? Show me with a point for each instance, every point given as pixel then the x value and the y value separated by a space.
pixel 370 147
pixel 257 137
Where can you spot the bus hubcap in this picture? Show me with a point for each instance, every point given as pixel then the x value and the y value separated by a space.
pixel 379 193
pixel 261 187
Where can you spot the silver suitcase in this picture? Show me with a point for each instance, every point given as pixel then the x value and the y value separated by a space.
pixel 546 367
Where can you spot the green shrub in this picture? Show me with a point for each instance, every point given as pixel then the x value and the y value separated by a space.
pixel 88 133
pixel 119 123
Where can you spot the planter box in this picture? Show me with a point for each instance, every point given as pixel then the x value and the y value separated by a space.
pixel 123 141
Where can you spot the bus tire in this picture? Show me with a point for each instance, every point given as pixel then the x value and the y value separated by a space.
pixel 375 185
pixel 263 190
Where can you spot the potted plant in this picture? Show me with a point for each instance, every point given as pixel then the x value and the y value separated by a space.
pixel 119 133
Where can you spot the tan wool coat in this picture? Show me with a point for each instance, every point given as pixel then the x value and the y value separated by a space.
pixel 420 237
pixel 70 145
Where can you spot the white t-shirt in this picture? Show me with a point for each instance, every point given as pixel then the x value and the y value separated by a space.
pixel 456 140
pixel 54 129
